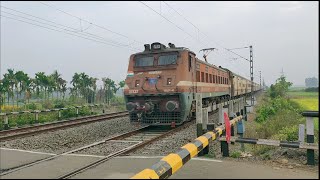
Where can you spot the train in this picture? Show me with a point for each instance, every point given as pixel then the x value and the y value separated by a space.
pixel 162 83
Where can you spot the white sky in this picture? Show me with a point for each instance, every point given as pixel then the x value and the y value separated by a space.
pixel 283 35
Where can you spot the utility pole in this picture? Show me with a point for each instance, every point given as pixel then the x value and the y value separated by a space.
pixel 251 74
pixel 260 79
pixel 251 68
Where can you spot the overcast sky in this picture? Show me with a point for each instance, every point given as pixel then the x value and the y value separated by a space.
pixel 283 35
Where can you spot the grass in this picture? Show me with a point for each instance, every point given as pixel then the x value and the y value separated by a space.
pixel 309 101
pixel 303 95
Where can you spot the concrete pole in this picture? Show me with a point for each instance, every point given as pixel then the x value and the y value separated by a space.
pixel 239 105
pixel 204 130
pixel 77 111
pixel 230 108
pixel 301 132
pixel 220 113
pixel 37 117
pixel 6 122
pixel 199 114
pixel 59 115
pixel 204 119
pixel 310 139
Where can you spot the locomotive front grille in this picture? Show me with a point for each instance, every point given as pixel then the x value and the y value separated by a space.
pixel 159 118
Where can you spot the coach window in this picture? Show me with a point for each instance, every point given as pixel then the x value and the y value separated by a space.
pixel 207 78
pixel 202 76
pixel 198 76
pixel 210 78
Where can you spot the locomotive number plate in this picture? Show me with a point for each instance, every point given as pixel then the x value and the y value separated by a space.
pixel 133 91
pixel 155 72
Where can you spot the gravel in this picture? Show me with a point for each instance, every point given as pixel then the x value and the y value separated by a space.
pixel 106 148
pixel 68 139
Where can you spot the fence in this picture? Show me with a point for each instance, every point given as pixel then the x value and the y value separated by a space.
pixel 37 112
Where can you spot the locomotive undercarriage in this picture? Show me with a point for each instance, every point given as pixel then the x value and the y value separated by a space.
pixel 157 109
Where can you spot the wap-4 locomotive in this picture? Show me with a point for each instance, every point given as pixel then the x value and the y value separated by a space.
pixel 162 83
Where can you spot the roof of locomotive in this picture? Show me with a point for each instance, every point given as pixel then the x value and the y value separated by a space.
pixel 161 48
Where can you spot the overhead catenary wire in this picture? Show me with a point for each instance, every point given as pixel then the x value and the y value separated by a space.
pixel 67 28
pixel 171 22
pixel 75 30
pixel 81 33
pixel 94 24
pixel 227 50
pixel 61 31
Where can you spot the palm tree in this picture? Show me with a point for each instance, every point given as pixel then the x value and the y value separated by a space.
pixel 51 86
pixel 61 83
pixel 42 82
pixel 109 84
pixel 63 89
pixel 94 87
pixel 11 80
pixel 22 80
pixel 56 77
pixel 76 84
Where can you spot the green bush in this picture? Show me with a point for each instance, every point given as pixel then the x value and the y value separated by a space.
pixel 235 154
pixel 32 106
pixel 287 134
pixel 261 149
pixel 47 105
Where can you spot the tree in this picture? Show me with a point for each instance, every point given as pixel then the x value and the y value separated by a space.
pixel 280 88
pixel 94 88
pixel 42 83
pixel 109 86
pixel 57 79
pixel 76 85
pixel 2 94
pixel 11 81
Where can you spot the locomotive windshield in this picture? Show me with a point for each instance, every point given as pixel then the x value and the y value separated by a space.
pixel 144 61
pixel 167 59
pixel 155 60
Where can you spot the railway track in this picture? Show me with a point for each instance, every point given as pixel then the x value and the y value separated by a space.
pixel 129 141
pixel 36 129
pixel 140 137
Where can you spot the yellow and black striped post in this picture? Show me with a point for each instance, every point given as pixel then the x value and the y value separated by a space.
pixel 174 161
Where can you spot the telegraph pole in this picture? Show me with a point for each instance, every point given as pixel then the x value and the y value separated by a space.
pixel 260 79
pixel 251 74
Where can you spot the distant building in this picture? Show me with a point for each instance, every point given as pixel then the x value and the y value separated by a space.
pixel 312 82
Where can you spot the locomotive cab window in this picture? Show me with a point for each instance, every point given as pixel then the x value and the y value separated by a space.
pixel 167 59
pixel 144 61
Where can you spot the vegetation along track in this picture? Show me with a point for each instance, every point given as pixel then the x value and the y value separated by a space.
pixel 36 129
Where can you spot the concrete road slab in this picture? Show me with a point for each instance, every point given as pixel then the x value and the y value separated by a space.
pixel 52 168
pixel 126 167
pixel 199 168
pixel 11 158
